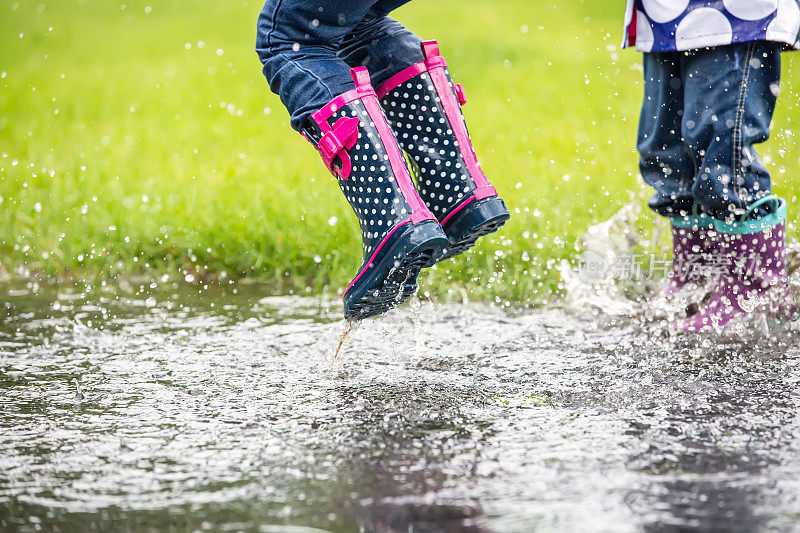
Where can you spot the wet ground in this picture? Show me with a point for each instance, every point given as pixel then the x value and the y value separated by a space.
pixel 223 411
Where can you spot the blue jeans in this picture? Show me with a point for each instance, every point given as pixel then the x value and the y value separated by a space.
pixel 307 48
pixel 703 111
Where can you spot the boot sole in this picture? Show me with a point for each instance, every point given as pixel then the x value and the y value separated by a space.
pixel 391 279
pixel 478 219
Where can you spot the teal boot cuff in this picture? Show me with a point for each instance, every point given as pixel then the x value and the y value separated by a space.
pixel 739 227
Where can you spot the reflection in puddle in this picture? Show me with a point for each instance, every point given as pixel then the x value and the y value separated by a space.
pixel 161 410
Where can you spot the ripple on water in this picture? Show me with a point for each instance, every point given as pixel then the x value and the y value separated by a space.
pixel 159 409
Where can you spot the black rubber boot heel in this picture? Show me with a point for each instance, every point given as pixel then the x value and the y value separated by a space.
pixel 391 278
pixel 477 219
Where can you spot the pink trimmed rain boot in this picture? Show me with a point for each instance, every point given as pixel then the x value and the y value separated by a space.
pixel 400 235
pixel 423 105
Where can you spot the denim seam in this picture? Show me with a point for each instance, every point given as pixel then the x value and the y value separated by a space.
pixel 312 74
pixel 274 21
pixel 738 137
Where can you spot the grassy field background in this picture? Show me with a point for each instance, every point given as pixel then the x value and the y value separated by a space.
pixel 140 138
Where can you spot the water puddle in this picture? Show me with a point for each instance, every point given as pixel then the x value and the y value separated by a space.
pixel 223 411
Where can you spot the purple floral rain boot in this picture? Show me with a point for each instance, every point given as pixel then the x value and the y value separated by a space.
pixel 693 250
pixel 753 253
pixel 693 255
pixel 400 235
pixel 424 107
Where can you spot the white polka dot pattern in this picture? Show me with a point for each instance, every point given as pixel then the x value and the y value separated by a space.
pixel 749 9
pixel 644 33
pixel 677 25
pixel 693 29
pixel 753 265
pixel 664 10
pixel 416 114
pixel 787 21
pixel 693 250
pixel 371 188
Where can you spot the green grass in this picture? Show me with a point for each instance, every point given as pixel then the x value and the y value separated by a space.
pixel 127 148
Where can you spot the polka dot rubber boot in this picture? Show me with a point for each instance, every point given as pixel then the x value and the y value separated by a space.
pixel 400 235
pixel 693 250
pixel 423 106
pixel 752 259
pixel 694 247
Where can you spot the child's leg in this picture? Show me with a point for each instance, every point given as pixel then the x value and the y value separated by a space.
pixel 297 42
pixel 381 44
pixel 423 104
pixel 664 160
pixel 667 165
pixel 730 95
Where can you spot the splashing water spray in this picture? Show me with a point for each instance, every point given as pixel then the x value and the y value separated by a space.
pixel 350 326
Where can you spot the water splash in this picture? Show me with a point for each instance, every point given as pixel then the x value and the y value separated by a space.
pixel 594 290
pixel 502 421
pixel 350 326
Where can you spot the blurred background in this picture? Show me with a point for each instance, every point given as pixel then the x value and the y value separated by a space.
pixel 139 138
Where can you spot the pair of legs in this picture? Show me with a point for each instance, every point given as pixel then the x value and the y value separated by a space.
pixel 365 91
pixel 308 48
pixel 703 112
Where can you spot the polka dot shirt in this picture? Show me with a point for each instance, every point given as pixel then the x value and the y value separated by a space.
pixel 677 25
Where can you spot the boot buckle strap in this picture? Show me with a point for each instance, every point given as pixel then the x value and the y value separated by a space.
pixel 336 142
pixel 329 145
